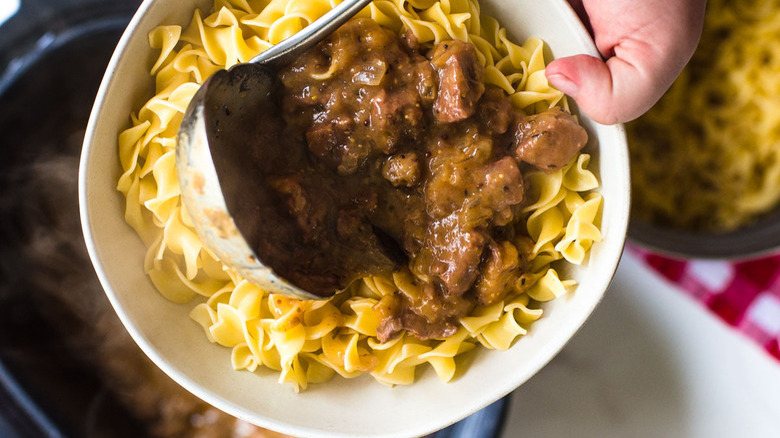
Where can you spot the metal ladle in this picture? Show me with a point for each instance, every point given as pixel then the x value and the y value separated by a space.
pixel 210 132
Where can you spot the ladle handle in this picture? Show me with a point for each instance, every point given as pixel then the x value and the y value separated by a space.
pixel 283 53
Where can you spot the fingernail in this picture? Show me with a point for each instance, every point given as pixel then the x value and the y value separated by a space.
pixel 564 84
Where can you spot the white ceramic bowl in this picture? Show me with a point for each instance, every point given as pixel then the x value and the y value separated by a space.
pixel 357 407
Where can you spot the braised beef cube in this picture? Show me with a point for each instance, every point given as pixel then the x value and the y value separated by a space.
pixel 389 328
pixel 549 140
pixel 402 170
pixel 501 184
pixel 445 191
pixel 395 115
pixel 499 273
pixel 389 310
pixel 425 80
pixel 424 312
pixel 423 329
pixel 416 325
pixel 495 111
pixel 333 143
pixel 452 168
pixel 460 80
pixel 457 251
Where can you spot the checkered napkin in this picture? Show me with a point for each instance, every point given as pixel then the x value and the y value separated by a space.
pixel 746 295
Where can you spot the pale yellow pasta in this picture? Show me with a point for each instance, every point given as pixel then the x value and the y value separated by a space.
pixel 707 156
pixel 311 341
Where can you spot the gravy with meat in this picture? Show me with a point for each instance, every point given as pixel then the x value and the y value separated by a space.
pixel 389 154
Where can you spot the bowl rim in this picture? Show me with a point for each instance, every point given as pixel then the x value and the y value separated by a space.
pixel 566 331
pixel 756 240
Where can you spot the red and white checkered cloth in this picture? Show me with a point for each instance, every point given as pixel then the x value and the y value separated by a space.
pixel 746 295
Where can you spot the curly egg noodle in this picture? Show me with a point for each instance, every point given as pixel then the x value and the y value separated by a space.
pixel 309 341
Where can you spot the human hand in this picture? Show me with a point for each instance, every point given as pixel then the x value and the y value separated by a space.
pixel 646 43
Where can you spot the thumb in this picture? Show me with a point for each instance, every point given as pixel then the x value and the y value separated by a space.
pixel 608 92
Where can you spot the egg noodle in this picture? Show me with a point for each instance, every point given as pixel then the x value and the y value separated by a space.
pixel 309 341
pixel 707 156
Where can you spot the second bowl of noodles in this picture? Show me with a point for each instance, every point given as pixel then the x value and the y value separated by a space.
pixel 705 159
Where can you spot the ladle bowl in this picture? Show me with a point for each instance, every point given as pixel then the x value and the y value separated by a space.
pixel 214 133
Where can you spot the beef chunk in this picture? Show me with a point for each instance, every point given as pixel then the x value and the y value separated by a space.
pixel 395 115
pixel 460 80
pixel 457 251
pixel 549 140
pixel 424 312
pixel 501 184
pixel 424 78
pixel 495 111
pixel 499 272
pixel 333 143
pixel 417 325
pixel 453 165
pixel 423 329
pixel 402 170
pixel 388 328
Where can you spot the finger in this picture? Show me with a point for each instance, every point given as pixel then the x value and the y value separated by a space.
pixel 609 92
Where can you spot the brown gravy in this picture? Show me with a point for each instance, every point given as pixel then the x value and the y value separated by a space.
pixel 392 154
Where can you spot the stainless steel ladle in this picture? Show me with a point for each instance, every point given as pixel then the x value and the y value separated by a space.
pixel 213 127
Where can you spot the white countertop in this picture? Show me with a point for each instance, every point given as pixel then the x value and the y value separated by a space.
pixel 651 362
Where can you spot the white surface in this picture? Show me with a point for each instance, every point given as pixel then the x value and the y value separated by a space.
pixel 355 407
pixel 651 362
